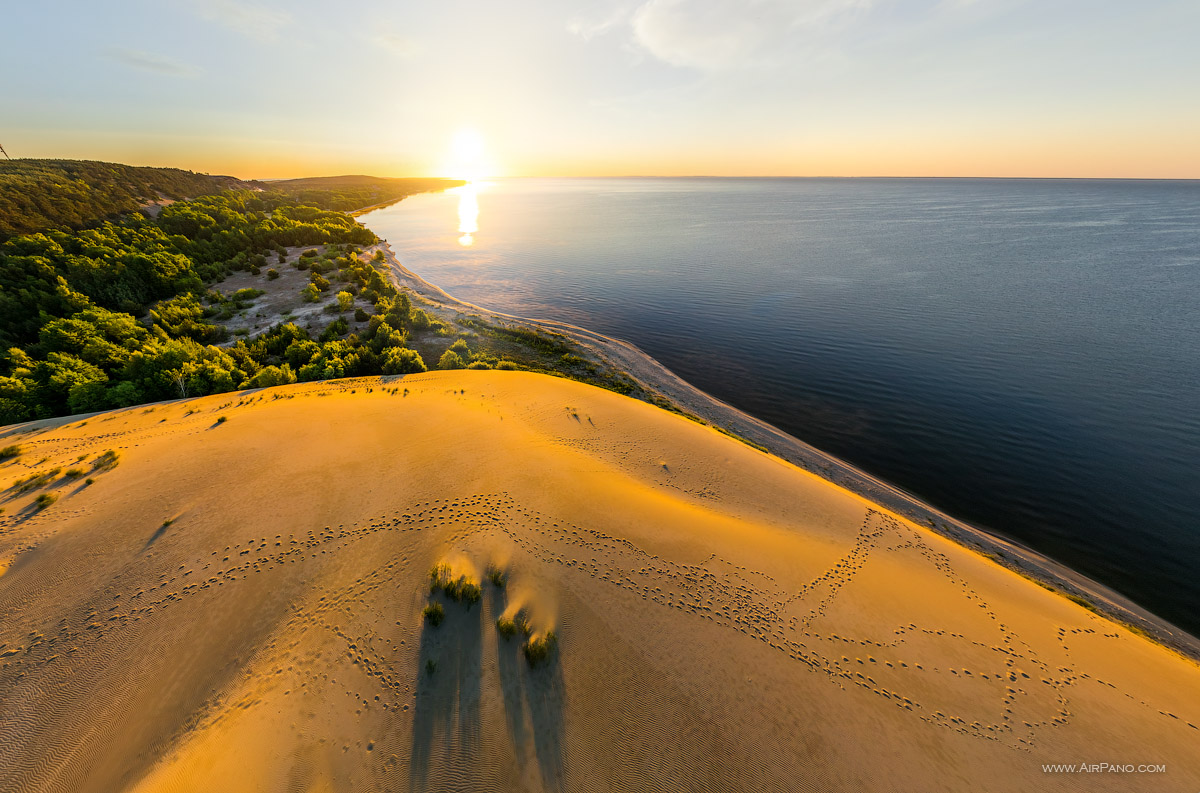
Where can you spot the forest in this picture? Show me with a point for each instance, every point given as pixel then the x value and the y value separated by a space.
pixel 71 194
pixel 118 314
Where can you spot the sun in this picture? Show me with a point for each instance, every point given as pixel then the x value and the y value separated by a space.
pixel 467 158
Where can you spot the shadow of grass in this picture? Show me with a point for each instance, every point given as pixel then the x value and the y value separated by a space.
pixel 446 714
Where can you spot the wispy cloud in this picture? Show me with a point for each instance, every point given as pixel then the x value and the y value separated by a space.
pixel 151 62
pixel 255 21
pixel 588 28
pixel 716 34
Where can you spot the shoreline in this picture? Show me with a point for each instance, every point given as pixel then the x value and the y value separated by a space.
pixel 656 378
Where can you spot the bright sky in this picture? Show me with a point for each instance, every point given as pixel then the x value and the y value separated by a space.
pixel 264 88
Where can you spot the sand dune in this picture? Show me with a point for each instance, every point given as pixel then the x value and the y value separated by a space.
pixel 237 606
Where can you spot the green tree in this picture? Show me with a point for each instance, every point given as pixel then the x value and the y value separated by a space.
pixel 451 360
pixel 399 360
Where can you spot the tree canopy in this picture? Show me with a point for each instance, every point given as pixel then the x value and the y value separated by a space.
pixel 70 194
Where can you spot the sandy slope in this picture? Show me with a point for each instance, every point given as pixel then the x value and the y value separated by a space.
pixel 726 620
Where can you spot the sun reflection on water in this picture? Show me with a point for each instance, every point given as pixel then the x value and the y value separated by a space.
pixel 468 212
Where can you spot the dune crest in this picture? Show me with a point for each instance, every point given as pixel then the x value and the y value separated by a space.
pixel 240 604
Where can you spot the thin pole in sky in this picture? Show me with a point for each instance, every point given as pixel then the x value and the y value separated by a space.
pixel 2 151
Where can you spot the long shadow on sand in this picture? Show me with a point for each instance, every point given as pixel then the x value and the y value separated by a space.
pixel 447 699
pixel 539 692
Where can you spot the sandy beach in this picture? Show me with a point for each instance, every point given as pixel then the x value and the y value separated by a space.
pixel 238 604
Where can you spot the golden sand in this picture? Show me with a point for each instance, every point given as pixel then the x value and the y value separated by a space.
pixel 236 606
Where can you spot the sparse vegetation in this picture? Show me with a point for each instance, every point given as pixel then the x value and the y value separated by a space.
pixel 461 589
pixel 539 648
pixel 497 577
pixel 511 626
pixel 36 480
pixel 430 666
pixel 73 473
pixel 222 419
pixel 10 452
pixel 45 499
pixel 106 461
pixel 434 613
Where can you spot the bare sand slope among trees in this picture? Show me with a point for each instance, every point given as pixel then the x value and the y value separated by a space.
pixel 238 598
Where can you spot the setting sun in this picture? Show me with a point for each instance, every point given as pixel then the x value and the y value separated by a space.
pixel 466 159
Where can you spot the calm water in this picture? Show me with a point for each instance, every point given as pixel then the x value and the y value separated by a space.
pixel 1023 354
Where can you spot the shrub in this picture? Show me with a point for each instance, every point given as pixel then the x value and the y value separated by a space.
pixel 434 613
pixel 510 366
pixel 309 254
pixel 461 347
pixel 344 301
pixel 222 419
pixel 450 360
pixel 461 590
pixel 246 295
pixel 431 666
pixel 9 452
pixel 106 461
pixel 497 577
pixel 479 365
pixel 360 315
pixel 507 627
pixel 73 473
pixel 89 481
pixel 468 592
pixel 400 360
pixel 439 574
pixel 540 648
pixel 310 293
pixel 36 480
pixel 45 500
pixel 419 319
pixel 272 274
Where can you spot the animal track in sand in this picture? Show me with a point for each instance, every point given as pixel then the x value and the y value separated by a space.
pixel 733 597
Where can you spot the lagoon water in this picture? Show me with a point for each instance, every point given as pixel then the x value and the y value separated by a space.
pixel 1024 354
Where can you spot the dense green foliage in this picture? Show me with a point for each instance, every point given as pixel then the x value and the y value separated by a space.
pixel 69 194
pixel 348 193
pixel 120 314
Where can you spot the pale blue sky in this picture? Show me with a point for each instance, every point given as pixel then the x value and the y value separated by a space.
pixel 806 87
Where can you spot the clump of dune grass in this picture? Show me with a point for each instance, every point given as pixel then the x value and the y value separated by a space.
pixel 497 576
pixel 9 452
pixel 461 589
pixel 431 666
pixel 73 473
pixel 511 626
pixel 434 613
pixel 222 419
pixel 539 648
pixel 36 480
pixel 106 461
pixel 45 500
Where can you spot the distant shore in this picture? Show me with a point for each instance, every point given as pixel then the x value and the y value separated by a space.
pixel 658 379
